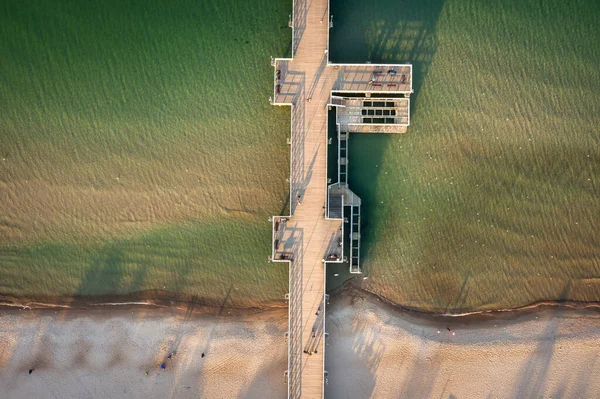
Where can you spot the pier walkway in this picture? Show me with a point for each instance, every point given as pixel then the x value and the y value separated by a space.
pixel 308 239
pixel 308 234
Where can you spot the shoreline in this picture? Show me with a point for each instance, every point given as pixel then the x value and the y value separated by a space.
pixel 134 311
pixel 353 296
pixel 136 301
pixel 374 349
pixel 198 306
pixel 541 305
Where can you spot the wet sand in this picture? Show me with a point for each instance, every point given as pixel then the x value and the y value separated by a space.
pixel 375 350
pixel 105 353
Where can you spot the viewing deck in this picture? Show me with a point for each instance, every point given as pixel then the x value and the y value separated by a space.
pixel 313 234
pixel 373 78
pixel 369 80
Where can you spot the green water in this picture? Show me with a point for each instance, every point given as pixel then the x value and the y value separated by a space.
pixel 140 153
pixel 491 200
pixel 133 138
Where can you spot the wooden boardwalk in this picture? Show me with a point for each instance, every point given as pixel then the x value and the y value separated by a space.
pixel 306 238
pixel 306 85
pixel 374 78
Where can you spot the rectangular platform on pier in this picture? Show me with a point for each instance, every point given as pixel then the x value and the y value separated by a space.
pixel 286 84
pixel 372 115
pixel 385 78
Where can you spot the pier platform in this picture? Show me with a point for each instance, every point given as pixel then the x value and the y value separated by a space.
pixel 367 98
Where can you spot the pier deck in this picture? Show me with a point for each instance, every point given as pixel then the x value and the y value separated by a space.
pixel 307 239
pixel 374 78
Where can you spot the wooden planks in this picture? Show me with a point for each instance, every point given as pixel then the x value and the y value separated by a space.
pixel 310 80
pixel 305 83
pixel 392 78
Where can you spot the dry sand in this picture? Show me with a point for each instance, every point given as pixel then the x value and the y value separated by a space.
pixel 376 351
pixel 106 353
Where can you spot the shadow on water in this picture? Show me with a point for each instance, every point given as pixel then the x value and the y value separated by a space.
pixel 379 32
pixel 461 299
pixel 110 270
pixel 386 32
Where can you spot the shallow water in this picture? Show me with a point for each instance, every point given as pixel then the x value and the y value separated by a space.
pixel 491 198
pixel 133 138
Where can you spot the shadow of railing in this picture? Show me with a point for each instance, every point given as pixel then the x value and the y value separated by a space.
pixel 333 253
pixel 317 77
pixel 307 176
pixel 295 318
pixel 298 144
pixel 317 331
pixel 300 13
pixel 288 85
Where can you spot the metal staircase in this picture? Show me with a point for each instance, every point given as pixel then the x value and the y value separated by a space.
pixel 355 239
pixel 340 197
pixel 335 206
pixel 342 156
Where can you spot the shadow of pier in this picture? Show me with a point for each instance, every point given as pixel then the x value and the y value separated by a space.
pixel 406 33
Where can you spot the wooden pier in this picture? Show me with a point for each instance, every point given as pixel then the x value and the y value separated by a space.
pixel 312 235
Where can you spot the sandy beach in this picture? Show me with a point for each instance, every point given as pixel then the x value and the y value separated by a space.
pixel 374 351
pixel 377 351
pixel 106 353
